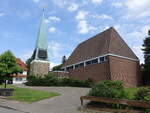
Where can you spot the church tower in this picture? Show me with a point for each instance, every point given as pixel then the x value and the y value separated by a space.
pixel 40 63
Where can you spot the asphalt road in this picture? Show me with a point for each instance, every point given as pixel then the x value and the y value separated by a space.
pixel 5 110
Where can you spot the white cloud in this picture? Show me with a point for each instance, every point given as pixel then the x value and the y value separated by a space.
pixel 84 28
pixel 60 3
pixel 117 27
pixel 54 18
pixel 117 4
pixel 2 14
pixel 137 38
pixel 73 7
pixel 138 51
pixel 97 1
pixel 103 16
pixel 52 64
pixel 141 33
pixel 52 29
pixel 36 1
pixel 55 49
pixel 81 15
pixel 137 8
pixel 138 5
pixel 134 9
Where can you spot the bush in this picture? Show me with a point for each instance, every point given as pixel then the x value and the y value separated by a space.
pixel 143 94
pixel 52 80
pixel 111 89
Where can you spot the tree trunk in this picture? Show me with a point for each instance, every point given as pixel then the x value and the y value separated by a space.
pixel 5 84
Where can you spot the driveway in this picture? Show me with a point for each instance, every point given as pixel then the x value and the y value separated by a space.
pixel 67 102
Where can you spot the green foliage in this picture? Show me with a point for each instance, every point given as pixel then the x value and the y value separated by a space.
pixel 52 80
pixel 28 61
pixel 64 59
pixel 57 68
pixel 8 65
pixel 143 94
pixel 111 89
pixel 146 70
pixel 131 92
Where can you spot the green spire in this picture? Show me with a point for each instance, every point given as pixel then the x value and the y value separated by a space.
pixel 41 42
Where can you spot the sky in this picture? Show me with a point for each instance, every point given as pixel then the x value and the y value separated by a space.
pixel 69 22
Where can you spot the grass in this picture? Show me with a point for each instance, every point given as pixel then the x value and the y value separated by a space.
pixel 30 95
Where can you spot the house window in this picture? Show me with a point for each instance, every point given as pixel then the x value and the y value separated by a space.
pixel 88 63
pixel 76 66
pixel 24 72
pixel 69 68
pixel 102 59
pixel 106 58
pixel 18 79
pixel 81 64
pixel 95 61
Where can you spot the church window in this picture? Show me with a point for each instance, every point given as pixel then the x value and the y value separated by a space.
pixel 95 61
pixel 88 63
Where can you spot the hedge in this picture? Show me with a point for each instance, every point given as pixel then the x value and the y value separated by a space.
pixel 52 80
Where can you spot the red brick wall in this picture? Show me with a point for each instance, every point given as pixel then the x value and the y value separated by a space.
pixel 96 72
pixel 125 70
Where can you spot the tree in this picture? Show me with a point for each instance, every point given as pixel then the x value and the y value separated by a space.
pixel 8 66
pixel 28 62
pixel 64 59
pixel 57 68
pixel 146 69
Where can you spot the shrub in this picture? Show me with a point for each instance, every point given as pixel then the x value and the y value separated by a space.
pixel 106 88
pixel 52 80
pixel 143 94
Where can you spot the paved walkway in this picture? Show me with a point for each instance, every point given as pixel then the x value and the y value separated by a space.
pixel 67 102
pixel 7 110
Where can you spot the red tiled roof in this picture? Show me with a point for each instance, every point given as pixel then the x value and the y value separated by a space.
pixel 18 75
pixel 109 41
pixel 21 64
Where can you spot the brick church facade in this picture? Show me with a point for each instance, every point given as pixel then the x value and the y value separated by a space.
pixel 105 56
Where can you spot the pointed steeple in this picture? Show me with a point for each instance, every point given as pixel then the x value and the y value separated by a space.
pixel 41 42
pixel 40 52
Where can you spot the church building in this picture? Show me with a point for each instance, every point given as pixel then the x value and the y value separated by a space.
pixel 40 64
pixel 105 56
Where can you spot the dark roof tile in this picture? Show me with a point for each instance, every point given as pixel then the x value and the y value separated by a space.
pixel 109 41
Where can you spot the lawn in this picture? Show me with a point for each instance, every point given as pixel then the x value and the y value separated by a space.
pixel 30 95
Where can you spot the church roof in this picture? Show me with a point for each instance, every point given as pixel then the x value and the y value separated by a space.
pixel 41 42
pixel 107 42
